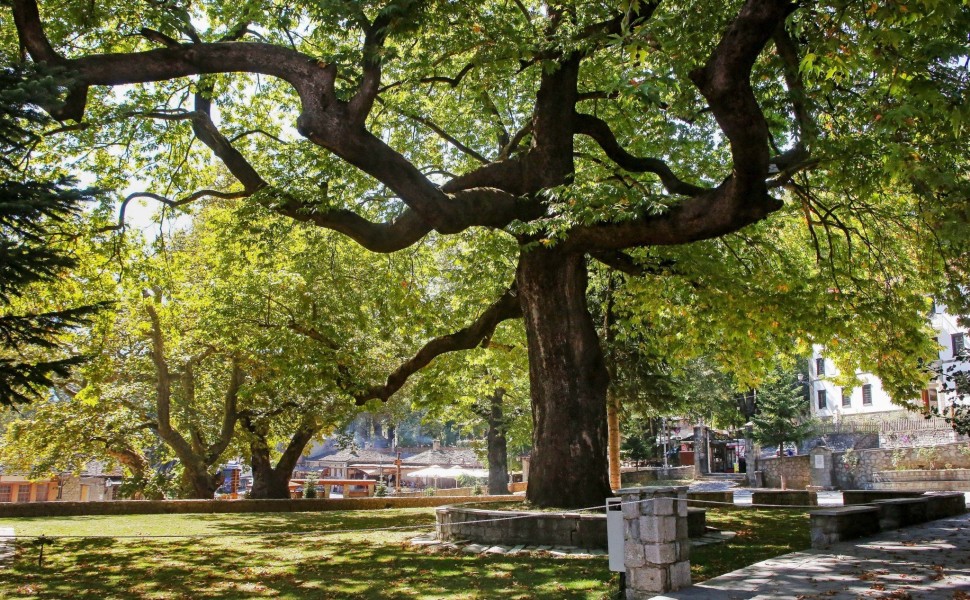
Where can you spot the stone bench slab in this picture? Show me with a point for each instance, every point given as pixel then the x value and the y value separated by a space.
pixel 832 525
pixel 895 513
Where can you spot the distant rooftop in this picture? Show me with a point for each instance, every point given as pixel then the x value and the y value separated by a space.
pixel 445 457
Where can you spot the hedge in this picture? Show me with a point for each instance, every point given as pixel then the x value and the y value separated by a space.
pixel 151 507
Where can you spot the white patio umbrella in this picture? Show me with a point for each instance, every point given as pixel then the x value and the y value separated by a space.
pixel 455 471
pixel 434 471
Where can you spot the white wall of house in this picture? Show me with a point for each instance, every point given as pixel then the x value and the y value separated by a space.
pixel 950 332
pixel 866 398
pixel 875 401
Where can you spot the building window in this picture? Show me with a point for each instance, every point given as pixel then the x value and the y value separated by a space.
pixel 23 492
pixel 41 495
pixel 867 395
pixel 956 340
pixel 821 400
pixel 820 366
pixel 5 493
pixel 846 398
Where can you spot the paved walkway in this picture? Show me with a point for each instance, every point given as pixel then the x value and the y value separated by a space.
pixel 929 561
pixel 6 546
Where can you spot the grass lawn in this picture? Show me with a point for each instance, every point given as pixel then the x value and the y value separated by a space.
pixel 258 564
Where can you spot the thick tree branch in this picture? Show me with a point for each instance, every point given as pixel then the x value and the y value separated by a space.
pixel 363 100
pixel 743 197
pixel 601 133
pixel 788 51
pixel 168 202
pixel 209 134
pixel 163 384
pixel 230 412
pixel 476 334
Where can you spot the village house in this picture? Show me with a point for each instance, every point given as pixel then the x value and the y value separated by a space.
pixel 868 400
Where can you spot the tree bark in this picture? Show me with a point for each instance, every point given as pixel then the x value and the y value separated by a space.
pixel 612 399
pixel 613 432
pixel 271 481
pixel 498 454
pixel 569 382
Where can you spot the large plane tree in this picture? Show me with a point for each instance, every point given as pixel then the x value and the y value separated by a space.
pixel 583 130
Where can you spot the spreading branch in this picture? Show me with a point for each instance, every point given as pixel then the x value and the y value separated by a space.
pixel 479 333
pixel 601 133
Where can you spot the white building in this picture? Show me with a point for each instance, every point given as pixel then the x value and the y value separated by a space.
pixel 868 398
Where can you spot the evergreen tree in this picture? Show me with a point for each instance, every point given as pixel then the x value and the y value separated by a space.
pixel 782 411
pixel 30 213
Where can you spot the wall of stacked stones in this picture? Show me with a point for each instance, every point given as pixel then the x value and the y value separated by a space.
pixel 931 437
pixel 854 470
pixel 632 478
pixel 793 468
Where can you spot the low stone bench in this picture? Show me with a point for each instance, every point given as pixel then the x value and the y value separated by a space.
pixel 901 512
pixel 940 505
pixel 720 499
pixel 831 525
pixel 696 522
pixel 850 497
pixel 785 497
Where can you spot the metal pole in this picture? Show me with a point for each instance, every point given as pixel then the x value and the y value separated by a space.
pixel 663 423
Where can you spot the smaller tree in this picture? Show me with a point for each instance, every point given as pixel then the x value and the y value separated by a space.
pixel 310 487
pixel 782 411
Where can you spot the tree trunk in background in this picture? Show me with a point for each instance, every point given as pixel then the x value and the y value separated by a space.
pixel 568 382
pixel 274 481
pixel 613 430
pixel 198 483
pixel 498 454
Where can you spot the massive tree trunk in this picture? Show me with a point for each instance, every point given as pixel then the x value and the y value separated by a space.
pixel 498 453
pixel 568 380
pixel 271 481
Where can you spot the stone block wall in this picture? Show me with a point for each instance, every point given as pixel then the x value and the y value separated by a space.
pixel 794 469
pixel 532 528
pixel 855 469
pixel 930 437
pixel 646 475
pixel 839 442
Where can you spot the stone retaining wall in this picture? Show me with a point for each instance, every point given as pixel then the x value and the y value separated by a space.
pixel 151 507
pixel 532 528
pixel 784 497
pixel 856 469
pixel 794 469
pixel 930 437
pixel 649 474
pixel 718 499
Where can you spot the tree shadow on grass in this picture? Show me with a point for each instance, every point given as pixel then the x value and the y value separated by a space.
pixel 221 569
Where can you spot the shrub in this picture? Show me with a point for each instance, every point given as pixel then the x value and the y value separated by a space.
pixel 310 487
pixel 380 490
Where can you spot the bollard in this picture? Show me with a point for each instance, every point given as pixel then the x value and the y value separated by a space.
pixel 656 546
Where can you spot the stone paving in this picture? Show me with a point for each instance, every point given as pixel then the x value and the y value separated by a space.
pixel 6 546
pixel 929 561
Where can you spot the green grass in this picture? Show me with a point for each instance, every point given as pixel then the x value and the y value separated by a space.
pixel 762 534
pixel 264 563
